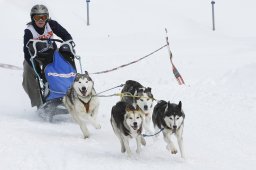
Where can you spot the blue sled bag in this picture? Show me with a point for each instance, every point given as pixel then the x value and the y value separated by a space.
pixel 60 75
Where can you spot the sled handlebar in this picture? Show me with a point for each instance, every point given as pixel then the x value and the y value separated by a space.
pixel 60 41
pixel 53 40
pixel 71 42
pixel 48 43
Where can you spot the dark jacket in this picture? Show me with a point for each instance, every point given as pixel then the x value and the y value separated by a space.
pixel 56 28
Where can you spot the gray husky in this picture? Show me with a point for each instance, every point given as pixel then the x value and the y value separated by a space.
pixel 138 95
pixel 81 102
pixel 127 124
pixel 170 118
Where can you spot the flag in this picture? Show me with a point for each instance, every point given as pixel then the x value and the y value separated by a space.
pixel 177 75
pixel 174 69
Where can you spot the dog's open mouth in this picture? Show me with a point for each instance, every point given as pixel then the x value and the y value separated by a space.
pixel 83 92
pixel 135 127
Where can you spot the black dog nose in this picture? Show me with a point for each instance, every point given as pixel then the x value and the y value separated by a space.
pixel 146 107
pixel 83 88
pixel 134 123
pixel 174 126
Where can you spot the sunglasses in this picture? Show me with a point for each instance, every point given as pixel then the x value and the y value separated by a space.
pixel 40 17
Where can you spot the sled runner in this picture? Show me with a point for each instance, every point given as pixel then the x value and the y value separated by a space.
pixel 55 71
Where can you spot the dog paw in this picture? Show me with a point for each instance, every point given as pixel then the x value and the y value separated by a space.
pixel 123 150
pixel 98 126
pixel 129 154
pixel 86 136
pixel 172 149
pixel 143 141
pixel 138 151
pixel 183 156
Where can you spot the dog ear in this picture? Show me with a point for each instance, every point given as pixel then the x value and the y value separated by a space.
pixel 179 105
pixel 166 108
pixel 135 93
pixel 148 89
pixel 77 76
pixel 129 108
pixel 137 108
pixel 140 90
pixel 86 74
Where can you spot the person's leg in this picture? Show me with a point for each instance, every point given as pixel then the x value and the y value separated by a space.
pixel 30 85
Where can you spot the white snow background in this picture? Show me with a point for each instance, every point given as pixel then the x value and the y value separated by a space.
pixel 219 69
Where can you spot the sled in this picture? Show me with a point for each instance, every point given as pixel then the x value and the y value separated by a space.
pixel 55 71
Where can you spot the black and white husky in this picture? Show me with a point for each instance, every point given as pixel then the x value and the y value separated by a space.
pixel 170 118
pixel 138 95
pixel 81 102
pixel 127 124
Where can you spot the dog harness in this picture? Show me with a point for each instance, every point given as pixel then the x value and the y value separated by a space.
pixel 86 105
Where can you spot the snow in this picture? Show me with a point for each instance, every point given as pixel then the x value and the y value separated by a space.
pixel 219 69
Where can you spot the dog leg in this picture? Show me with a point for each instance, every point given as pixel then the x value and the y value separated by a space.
pixel 95 113
pixel 121 141
pixel 180 141
pixel 82 125
pixel 122 146
pixel 85 130
pixel 93 118
pixel 117 132
pixel 170 146
pixel 138 141
pixel 93 122
pixel 146 124
pixel 143 141
pixel 126 145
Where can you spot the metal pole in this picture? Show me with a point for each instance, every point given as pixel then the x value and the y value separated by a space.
pixel 213 21
pixel 87 2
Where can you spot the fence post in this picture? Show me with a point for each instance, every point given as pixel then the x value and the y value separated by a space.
pixel 87 2
pixel 213 21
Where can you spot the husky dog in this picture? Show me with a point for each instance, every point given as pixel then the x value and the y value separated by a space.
pixel 138 95
pixel 127 123
pixel 81 102
pixel 170 118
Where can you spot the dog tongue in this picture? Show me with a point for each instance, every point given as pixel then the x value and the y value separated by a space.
pixel 134 127
pixel 84 93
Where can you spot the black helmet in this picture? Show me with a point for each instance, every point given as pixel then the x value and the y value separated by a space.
pixel 39 10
